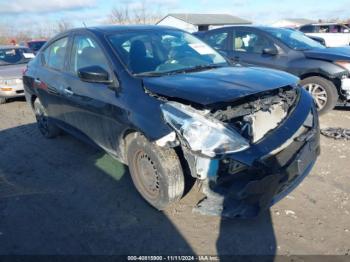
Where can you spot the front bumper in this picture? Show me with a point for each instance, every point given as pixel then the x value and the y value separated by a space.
pixel 345 87
pixel 253 180
pixel 12 90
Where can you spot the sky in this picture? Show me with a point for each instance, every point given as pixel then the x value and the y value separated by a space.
pixel 30 13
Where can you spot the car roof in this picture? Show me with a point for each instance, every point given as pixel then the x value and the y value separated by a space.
pixel 37 40
pixel 259 27
pixel 107 29
pixel 11 47
pixel 330 23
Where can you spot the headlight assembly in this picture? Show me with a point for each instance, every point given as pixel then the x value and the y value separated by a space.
pixel 207 136
pixel 10 81
pixel 344 64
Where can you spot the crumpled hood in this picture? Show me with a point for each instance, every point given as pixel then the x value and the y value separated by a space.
pixel 12 71
pixel 329 54
pixel 219 85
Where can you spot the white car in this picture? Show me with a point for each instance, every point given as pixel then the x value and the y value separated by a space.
pixel 13 61
pixel 334 34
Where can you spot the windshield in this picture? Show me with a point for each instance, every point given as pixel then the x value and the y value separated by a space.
pixel 156 52
pixel 294 39
pixel 11 56
pixel 36 45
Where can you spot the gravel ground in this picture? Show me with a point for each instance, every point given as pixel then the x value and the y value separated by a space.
pixel 64 197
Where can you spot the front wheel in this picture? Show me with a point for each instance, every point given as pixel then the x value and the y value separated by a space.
pixel 323 91
pixel 156 172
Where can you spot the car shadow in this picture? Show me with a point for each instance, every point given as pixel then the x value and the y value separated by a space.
pixel 342 108
pixel 61 196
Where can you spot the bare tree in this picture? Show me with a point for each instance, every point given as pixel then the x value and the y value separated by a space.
pixel 63 25
pixel 140 14
pixel 120 15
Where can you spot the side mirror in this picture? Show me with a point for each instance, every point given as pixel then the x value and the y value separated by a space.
pixel 94 74
pixel 270 51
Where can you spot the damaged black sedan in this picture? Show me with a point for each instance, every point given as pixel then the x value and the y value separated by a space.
pixel 169 106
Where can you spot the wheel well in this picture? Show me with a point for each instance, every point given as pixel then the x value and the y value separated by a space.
pixel 335 81
pixel 32 99
pixel 123 142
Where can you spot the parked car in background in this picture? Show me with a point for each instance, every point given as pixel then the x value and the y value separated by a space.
pixel 334 34
pixel 166 104
pixel 35 45
pixel 318 39
pixel 13 61
pixel 324 72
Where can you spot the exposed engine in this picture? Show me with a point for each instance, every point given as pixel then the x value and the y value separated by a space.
pixel 256 117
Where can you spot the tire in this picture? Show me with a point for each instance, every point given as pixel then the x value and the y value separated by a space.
pixel 45 125
pixel 2 100
pixel 323 91
pixel 155 171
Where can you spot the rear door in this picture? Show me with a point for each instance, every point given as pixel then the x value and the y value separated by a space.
pixel 50 81
pixel 92 108
pixel 248 49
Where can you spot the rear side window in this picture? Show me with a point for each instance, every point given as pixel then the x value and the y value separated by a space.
pixel 54 55
pixel 307 29
pixel 218 40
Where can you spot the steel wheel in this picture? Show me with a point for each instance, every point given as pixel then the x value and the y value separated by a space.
pixel 156 171
pixel 319 94
pixel 146 175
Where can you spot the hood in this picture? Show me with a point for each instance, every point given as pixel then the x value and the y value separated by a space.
pixel 219 85
pixel 12 71
pixel 329 54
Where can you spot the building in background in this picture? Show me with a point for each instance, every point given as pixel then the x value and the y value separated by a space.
pixel 201 22
pixel 292 22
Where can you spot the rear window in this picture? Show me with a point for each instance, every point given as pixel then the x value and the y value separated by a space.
pixel 9 56
pixel 36 45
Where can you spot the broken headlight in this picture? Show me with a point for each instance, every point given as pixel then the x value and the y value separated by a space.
pixel 203 134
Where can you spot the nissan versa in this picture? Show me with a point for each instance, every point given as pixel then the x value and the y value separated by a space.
pixel 169 106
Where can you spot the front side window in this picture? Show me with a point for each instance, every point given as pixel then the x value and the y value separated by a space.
pixel 307 29
pixel 246 41
pixel 294 39
pixel 163 51
pixel 86 52
pixel 54 55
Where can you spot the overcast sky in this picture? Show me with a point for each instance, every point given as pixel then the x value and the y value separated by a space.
pixel 28 13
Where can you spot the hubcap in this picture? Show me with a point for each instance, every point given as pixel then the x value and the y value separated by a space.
pixel 147 175
pixel 318 93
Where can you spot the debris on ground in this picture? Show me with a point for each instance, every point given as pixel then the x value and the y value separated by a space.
pixel 336 133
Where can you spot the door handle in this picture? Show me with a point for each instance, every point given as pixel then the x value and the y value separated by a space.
pixel 68 91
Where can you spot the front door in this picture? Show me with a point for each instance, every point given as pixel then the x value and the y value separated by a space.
pixel 249 49
pixel 92 107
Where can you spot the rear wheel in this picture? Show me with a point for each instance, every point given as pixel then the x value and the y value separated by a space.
pixel 156 172
pixel 2 100
pixel 323 91
pixel 45 125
